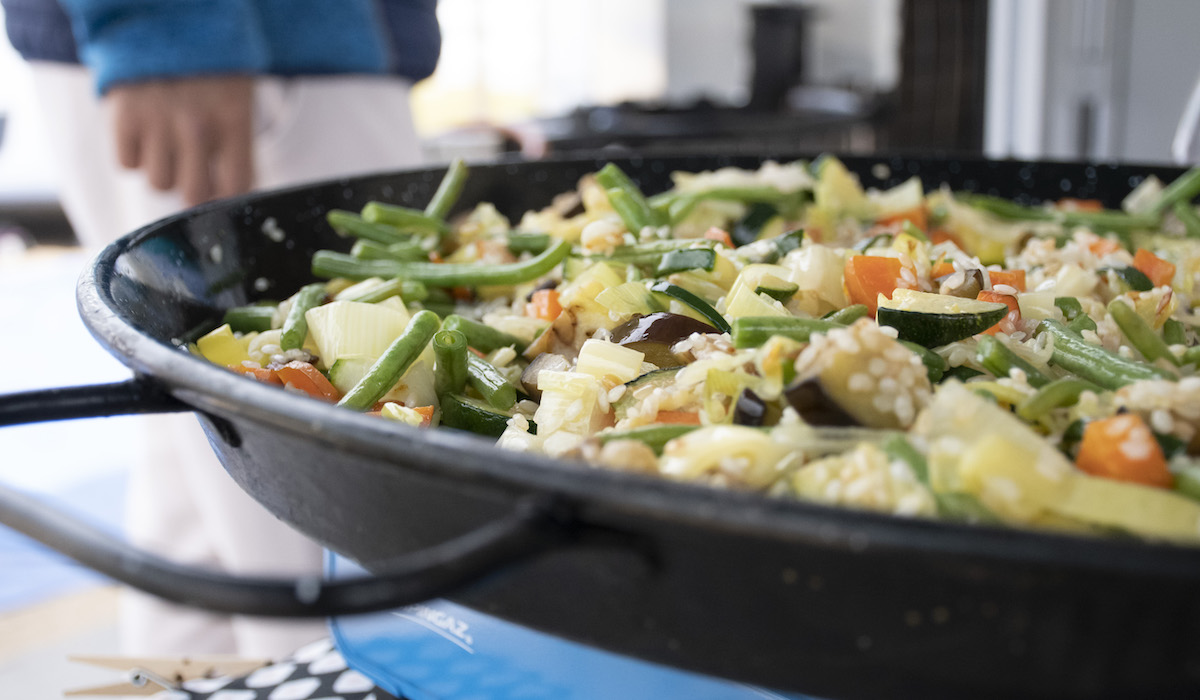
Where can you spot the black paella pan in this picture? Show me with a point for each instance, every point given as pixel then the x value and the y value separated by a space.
pixel 782 594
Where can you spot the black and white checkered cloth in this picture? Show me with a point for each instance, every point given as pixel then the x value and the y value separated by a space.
pixel 315 671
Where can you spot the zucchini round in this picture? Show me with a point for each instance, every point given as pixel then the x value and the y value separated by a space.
pixel 932 320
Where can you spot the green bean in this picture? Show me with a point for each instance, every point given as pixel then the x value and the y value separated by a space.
pixel 347 223
pixel 686 259
pixel 626 199
pixel 1106 220
pixel 654 436
pixel 1093 362
pixel 652 253
pixel 327 263
pixel 482 337
pixel 1139 333
pixel 699 305
pixel 295 327
pixel 528 242
pixel 448 191
pixel 1182 189
pixel 393 363
pixel 409 291
pixel 450 351
pixel 1000 360
pixel 1069 306
pixel 248 319
pixel 1186 213
pixel 753 331
pixel 1056 394
pixel 403 218
pixel 491 385
pixel 1174 332
pixel 1191 356
pixel 404 250
pixel 898 447
pixel 848 315
pixel 935 365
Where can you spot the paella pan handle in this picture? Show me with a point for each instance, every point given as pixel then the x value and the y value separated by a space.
pixel 535 525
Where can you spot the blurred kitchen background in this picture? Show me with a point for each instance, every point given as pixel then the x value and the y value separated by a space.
pixel 1062 79
pixel 1072 79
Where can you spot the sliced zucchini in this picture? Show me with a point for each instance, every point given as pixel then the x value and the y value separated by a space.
pixel 473 415
pixel 654 378
pixel 932 320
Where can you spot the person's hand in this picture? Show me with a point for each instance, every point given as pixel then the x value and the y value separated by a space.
pixel 187 134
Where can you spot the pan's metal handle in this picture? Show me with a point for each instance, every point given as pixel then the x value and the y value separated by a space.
pixel 137 395
pixel 535 525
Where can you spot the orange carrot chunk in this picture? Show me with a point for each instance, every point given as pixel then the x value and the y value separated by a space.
pixel 544 304
pixel 1013 278
pixel 916 216
pixel 868 276
pixel 306 378
pixel 1123 448
pixel 1014 310
pixel 1158 270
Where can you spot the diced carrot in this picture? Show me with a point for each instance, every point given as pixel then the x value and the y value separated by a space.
pixel 544 304
pixel 426 414
pixel 1103 246
pixel 720 235
pixel 1013 278
pixel 917 216
pixel 941 235
pixel 1123 448
pixel 678 417
pixel 262 374
pixel 461 293
pixel 1014 310
pixel 868 276
pixel 1073 204
pixel 1158 270
pixel 941 269
pixel 308 379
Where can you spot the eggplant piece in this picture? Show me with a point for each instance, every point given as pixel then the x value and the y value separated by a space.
pixel 749 409
pixel 815 406
pixel 961 283
pixel 654 334
pixel 547 360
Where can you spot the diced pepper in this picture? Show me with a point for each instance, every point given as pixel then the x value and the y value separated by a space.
pixel 1013 278
pixel 1014 310
pixel 941 235
pixel 306 378
pixel 1073 204
pixel 1158 270
pixel 868 276
pixel 262 374
pixel 544 304
pixel 941 269
pixel 917 216
pixel 1123 448
pixel 678 417
pixel 720 235
pixel 1103 246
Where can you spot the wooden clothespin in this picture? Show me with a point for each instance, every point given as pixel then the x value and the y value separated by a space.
pixel 147 676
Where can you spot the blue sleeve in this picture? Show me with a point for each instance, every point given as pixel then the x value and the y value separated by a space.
pixel 135 40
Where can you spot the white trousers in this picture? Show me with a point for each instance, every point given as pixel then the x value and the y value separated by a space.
pixel 181 503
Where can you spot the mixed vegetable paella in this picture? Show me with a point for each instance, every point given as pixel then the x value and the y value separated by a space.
pixel 922 353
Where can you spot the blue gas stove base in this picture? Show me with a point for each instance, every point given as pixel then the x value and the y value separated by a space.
pixel 442 651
